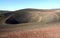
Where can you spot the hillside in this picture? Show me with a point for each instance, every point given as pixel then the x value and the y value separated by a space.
pixel 30 15
pixel 30 23
pixel 25 15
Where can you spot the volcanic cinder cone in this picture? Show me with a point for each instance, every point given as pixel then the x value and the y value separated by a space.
pixel 31 27
pixel 32 16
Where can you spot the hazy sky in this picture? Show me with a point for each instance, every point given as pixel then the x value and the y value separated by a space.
pixel 20 4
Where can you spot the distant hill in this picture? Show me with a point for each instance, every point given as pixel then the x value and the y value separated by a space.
pixel 25 15
pixel 2 11
pixel 28 15
pixel 32 9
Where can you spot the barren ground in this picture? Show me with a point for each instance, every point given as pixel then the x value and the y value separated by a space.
pixel 30 30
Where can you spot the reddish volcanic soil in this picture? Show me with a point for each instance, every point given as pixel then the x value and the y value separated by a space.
pixel 49 32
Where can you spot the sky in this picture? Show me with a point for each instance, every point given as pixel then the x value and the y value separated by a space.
pixel 21 4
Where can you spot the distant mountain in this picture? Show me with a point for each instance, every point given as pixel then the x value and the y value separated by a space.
pixel 24 15
pixel 2 11
pixel 32 9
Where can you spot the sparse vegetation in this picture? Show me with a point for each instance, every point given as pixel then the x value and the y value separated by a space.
pixel 30 30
